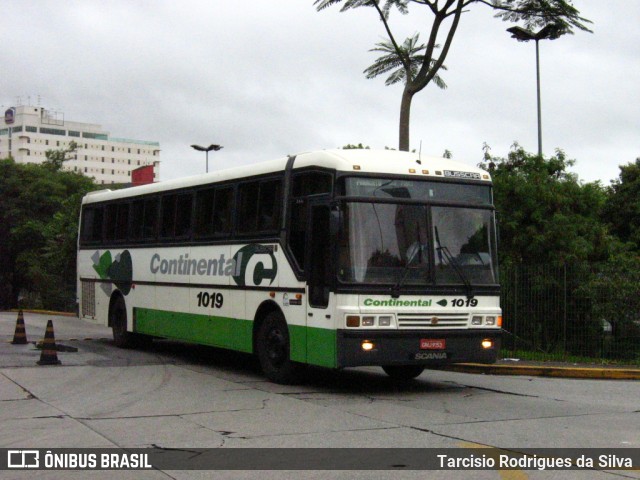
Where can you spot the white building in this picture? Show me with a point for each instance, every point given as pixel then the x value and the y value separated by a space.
pixel 29 131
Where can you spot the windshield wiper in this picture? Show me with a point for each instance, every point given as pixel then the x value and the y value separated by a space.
pixel 444 251
pixel 395 290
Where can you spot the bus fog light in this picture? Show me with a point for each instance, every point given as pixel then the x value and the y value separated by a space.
pixel 384 321
pixel 353 321
pixel 476 320
pixel 367 345
pixel 491 320
pixel 487 343
pixel 367 321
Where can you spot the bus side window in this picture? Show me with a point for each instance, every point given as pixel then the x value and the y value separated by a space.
pixel 137 220
pixel 223 212
pixel 168 218
pixel 269 205
pixel 247 207
pixel 184 206
pixel 92 218
pixel 150 222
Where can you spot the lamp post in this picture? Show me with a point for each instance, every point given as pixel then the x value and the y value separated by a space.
pixel 207 150
pixel 551 32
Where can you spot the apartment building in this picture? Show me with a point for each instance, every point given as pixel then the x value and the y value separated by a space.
pixel 28 131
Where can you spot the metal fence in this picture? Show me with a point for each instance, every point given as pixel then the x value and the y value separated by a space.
pixel 577 313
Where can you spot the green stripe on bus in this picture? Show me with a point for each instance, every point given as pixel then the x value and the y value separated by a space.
pixel 222 332
pixel 316 346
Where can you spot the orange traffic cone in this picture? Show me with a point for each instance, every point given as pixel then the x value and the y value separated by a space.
pixel 20 335
pixel 49 355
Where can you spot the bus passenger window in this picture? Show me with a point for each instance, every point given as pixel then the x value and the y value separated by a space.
pixel 222 213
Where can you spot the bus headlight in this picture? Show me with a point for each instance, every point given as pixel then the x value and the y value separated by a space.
pixel 491 320
pixel 384 321
pixel 476 320
pixel 367 345
pixel 368 321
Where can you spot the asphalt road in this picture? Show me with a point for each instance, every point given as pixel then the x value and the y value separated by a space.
pixel 177 396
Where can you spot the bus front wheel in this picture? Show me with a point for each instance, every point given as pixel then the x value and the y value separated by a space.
pixel 273 348
pixel 403 372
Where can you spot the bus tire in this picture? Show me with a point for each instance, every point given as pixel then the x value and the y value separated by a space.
pixel 118 321
pixel 403 372
pixel 273 348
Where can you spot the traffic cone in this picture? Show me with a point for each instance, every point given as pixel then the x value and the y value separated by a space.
pixel 20 335
pixel 49 355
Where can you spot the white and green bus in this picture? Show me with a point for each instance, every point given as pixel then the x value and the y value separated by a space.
pixel 335 258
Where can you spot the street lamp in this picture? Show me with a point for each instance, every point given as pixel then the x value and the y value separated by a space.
pixel 207 150
pixel 550 32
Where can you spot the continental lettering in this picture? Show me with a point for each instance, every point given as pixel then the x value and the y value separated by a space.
pixel 392 302
pixel 183 265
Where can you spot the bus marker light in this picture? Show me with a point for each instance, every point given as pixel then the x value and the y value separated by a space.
pixel 487 343
pixel 353 321
pixel 367 345
pixel 298 296
pixel 425 172
pixel 272 294
pixel 412 170
pixel 499 320
pixel 356 167
pixel 367 321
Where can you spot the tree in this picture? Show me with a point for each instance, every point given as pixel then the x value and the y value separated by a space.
pixel 546 215
pixel 622 209
pixel 39 207
pixel 55 158
pixel 419 64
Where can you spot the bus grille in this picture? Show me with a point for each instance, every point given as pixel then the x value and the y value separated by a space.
pixel 432 321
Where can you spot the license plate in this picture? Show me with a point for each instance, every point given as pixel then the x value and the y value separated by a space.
pixel 432 344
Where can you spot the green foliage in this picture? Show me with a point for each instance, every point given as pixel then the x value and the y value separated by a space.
pixel 39 208
pixel 56 158
pixel 622 210
pixel 392 61
pixel 359 146
pixel 545 214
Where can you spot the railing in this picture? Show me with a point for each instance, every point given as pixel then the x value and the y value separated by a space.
pixel 571 313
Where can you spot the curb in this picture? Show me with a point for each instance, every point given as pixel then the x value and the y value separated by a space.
pixel 542 371
pixel 45 312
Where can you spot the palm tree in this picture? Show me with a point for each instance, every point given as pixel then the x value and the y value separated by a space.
pixel 404 62
pixel 418 69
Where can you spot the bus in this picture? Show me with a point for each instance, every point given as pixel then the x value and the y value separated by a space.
pixel 333 258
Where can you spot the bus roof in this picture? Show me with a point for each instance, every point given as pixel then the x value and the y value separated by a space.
pixel 350 160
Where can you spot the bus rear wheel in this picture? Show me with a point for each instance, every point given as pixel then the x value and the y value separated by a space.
pixel 273 348
pixel 403 372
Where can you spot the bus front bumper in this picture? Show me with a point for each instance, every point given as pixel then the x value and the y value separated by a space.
pixel 413 347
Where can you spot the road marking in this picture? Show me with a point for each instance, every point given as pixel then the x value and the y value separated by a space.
pixel 504 474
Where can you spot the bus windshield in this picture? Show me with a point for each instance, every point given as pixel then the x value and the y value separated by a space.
pixel 385 243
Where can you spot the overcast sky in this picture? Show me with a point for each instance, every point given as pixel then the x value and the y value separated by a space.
pixel 267 79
